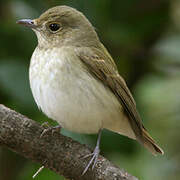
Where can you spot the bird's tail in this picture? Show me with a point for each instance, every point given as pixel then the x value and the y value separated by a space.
pixel 150 144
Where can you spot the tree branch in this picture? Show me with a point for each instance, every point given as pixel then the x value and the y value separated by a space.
pixel 59 153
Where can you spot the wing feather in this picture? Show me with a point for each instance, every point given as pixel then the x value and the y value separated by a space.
pixel 103 68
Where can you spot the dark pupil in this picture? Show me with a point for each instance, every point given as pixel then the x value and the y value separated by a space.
pixel 54 27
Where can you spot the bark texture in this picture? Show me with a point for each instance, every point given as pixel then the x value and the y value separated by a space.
pixel 59 153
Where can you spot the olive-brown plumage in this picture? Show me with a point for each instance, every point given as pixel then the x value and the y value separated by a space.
pixel 75 81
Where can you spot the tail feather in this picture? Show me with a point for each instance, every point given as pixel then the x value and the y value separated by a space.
pixel 150 144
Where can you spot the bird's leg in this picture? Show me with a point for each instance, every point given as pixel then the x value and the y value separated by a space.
pixel 94 155
pixel 52 129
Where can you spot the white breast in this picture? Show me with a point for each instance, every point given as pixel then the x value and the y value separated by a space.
pixel 68 94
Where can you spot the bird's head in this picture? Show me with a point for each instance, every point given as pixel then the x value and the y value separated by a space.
pixel 62 25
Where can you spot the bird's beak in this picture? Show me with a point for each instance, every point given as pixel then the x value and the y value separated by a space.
pixel 27 22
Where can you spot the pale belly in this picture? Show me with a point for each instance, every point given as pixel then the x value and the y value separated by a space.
pixel 72 97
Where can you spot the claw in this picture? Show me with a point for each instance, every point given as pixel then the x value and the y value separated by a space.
pixel 94 155
pixel 52 129
pixel 93 160
pixel 88 155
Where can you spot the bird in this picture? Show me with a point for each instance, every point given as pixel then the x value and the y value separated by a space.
pixel 75 81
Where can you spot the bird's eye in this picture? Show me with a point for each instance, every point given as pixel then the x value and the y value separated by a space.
pixel 54 27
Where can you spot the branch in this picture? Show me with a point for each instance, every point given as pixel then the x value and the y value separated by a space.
pixel 59 153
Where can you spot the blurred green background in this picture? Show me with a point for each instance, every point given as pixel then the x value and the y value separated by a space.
pixel 144 39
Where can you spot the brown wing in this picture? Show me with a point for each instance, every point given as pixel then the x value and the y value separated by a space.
pixel 101 65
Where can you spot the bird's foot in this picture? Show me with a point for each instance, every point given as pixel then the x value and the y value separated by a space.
pixel 93 160
pixel 50 129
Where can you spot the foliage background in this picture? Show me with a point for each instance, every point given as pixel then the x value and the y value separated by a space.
pixel 144 39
